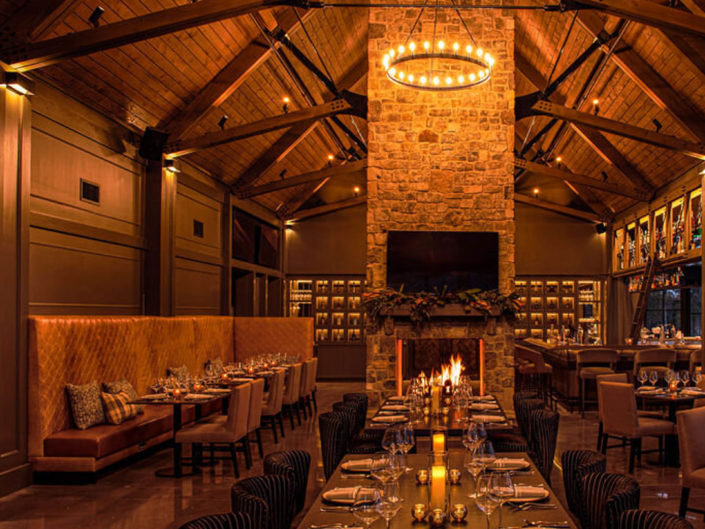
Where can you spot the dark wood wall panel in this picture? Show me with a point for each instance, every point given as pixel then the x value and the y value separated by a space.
pixel 75 275
pixel 194 206
pixel 197 287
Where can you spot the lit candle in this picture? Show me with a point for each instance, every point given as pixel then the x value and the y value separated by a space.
pixel 438 486
pixel 435 399
pixel 673 386
pixel 439 443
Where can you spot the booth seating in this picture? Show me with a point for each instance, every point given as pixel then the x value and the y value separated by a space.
pixel 79 350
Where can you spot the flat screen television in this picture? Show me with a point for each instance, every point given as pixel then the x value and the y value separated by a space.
pixel 460 260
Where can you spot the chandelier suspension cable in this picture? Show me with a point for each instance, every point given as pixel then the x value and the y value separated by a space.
pixel 467 30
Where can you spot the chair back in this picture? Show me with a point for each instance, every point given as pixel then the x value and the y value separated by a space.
pixel 691 432
pixel 596 357
pixel 238 410
pixel 620 417
pixel 315 372
pixel 267 499
pixel 295 465
pixel 523 413
pixel 605 496
pixel 312 375
pixel 362 402
pixel 254 417
pixel 694 360
pixel 228 520
pixel 576 465
pixel 544 433
pixel 612 377
pixel 349 413
pixel 333 440
pixel 306 379
pixel 637 519
pixel 293 384
pixel 658 357
pixel 276 392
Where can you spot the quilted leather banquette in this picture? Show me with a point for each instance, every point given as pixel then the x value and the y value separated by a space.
pixel 82 349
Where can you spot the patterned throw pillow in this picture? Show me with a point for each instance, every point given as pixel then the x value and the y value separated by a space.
pixel 86 406
pixel 123 385
pixel 117 409
pixel 180 373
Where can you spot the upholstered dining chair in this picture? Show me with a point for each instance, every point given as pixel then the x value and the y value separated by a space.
pixel 691 432
pixel 636 519
pixel 659 359
pixel 523 415
pixel 576 465
pixel 349 411
pixel 272 405
pixel 589 364
pixel 605 496
pixel 228 520
pixel 290 402
pixel 314 389
pixel 221 433
pixel 295 465
pixel 267 499
pixel 306 387
pixel 332 428
pixel 362 402
pixel 622 420
pixel 694 361
pixel 544 433
pixel 254 417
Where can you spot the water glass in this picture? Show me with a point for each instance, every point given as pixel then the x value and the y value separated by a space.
pixel 502 489
pixel 366 505
pixel 653 377
pixel 484 500
pixel 643 377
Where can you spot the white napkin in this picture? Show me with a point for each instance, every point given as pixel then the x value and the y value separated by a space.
pixel 649 389
pixel 197 396
pixel 693 391
pixel 216 391
pixel 154 396
pixel 359 465
pixel 528 491
pixel 484 406
pixel 345 495
pixel 396 399
pixel 487 418
pixel 508 462
pixel 482 398
pixel 394 407
pixel 389 418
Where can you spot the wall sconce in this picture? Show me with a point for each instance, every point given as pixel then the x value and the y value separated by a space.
pixel 18 83
pixel 285 104
pixel 596 106
pixel 356 190
pixel 535 191
pixel 600 228
pixel 173 166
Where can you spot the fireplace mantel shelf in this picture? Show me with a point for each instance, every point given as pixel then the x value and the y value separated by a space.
pixel 451 310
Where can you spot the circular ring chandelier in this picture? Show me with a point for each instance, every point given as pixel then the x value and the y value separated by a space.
pixel 437 67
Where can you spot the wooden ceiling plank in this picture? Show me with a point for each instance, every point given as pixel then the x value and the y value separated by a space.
pixel 238 132
pixel 651 14
pixel 34 19
pixel 648 79
pixel 696 6
pixel 327 173
pixel 328 208
pixel 43 53
pixel 694 150
pixel 584 215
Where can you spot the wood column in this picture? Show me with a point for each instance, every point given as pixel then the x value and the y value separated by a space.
pixel 226 230
pixel 160 200
pixel 15 136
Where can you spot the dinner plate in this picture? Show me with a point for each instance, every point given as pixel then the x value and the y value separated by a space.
pixel 508 464
pixel 396 399
pixel 360 465
pixel 394 407
pixel 481 397
pixel 526 494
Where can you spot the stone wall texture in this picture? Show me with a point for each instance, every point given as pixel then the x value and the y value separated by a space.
pixel 441 161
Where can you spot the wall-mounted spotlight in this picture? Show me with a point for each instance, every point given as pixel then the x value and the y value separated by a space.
pixel 222 121
pixel 657 124
pixel 559 160
pixel 173 166
pixel 282 174
pixel 536 191
pixel 596 106
pixel 356 190
pixel 330 160
pixel 95 16
pixel 604 176
pixel 18 83
pixel 285 104
pixel 600 228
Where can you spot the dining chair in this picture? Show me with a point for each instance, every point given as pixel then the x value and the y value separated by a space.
pixel 523 415
pixel 531 368
pixel 305 388
pixel 590 363
pixel 576 465
pixel 605 496
pixel 349 410
pixel 691 432
pixel 332 430
pixel 362 403
pixel 221 435
pixel 315 388
pixel 622 420
pixel 267 499
pixel 659 359
pixel 637 519
pixel 228 520
pixel 290 402
pixel 272 406
pixel 544 433
pixel 254 417
pixel 694 361
pixel 364 442
pixel 295 465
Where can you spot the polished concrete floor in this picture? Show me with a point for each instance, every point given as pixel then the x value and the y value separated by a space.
pixel 133 498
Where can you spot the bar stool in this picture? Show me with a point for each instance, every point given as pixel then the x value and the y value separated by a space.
pixel 590 363
pixel 661 360
pixel 530 366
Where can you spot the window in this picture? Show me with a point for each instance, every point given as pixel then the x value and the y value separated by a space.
pixel 695 312
pixel 664 307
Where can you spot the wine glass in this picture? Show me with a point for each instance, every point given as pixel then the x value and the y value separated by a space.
pixel 485 454
pixel 502 489
pixel 474 466
pixel 653 377
pixel 697 377
pixel 390 440
pixel 669 376
pixel 484 500
pixel 390 502
pixel 365 505
pixel 643 377
pixel 685 377
pixel 380 468
pixel 408 440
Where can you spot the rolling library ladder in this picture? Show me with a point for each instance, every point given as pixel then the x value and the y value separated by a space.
pixel 644 290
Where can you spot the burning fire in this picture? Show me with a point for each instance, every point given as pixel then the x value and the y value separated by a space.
pixel 451 372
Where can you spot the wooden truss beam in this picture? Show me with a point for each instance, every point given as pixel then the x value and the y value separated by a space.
pixel 328 208
pixel 34 20
pixel 228 79
pixel 577 178
pixel 696 6
pixel 213 139
pixel 43 53
pixel 648 13
pixel 313 176
pixel 650 82
pixel 694 150
pixel 518 197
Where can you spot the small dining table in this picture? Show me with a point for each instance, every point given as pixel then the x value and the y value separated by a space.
pixel 553 512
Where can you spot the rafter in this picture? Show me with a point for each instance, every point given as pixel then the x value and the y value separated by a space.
pixel 651 83
pixel 46 52
pixel 313 176
pixel 695 6
pixel 541 107
pixel 34 20
pixel 228 79
pixel 524 199
pixel 213 139
pixel 647 13
pixel 328 208
pixel 596 140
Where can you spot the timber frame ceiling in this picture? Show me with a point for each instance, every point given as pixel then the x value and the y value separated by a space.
pixel 208 59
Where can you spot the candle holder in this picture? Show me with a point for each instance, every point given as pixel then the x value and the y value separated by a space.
pixel 439 440
pixel 437 517
pixel 197 387
pixel 419 511
pixel 455 476
pixel 673 386
pixel 458 512
pixel 176 393
pixel 422 476
pixel 426 411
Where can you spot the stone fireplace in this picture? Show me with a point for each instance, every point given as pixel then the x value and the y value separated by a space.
pixel 441 161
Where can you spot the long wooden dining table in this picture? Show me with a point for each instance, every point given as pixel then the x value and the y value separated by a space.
pixel 413 493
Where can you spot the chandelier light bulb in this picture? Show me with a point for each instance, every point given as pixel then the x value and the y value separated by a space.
pixel 423 79
pixel 286 100
pixel 411 77
pixel 449 81
pixel 456 47
pixel 472 77
pixel 412 46
pixel 441 45
pixel 480 53
pixel 468 49
pixel 436 80
pixel 426 45
pixel 392 71
pixel 391 53
pixel 401 50
pixel 461 79
pixel 401 75
pixel 491 61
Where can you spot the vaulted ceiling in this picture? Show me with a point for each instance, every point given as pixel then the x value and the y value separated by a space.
pixel 186 80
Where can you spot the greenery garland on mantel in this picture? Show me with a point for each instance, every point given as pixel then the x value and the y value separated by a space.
pixel 380 303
